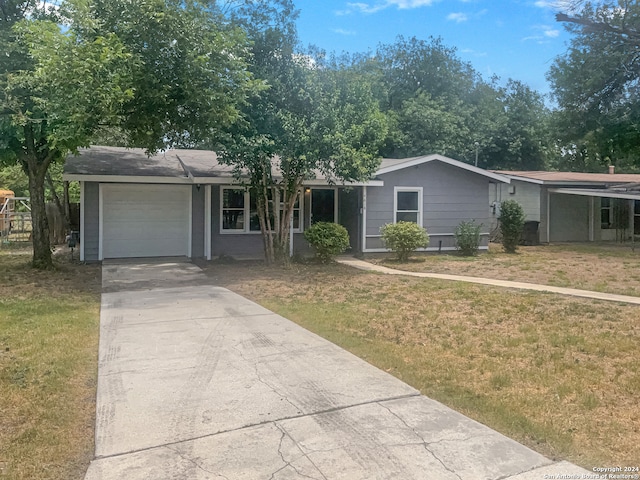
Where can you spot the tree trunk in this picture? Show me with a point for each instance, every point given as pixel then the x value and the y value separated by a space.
pixel 40 233
pixel 37 158
pixel 66 202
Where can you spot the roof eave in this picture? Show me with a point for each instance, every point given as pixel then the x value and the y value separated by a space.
pixel 448 161
pixel 78 177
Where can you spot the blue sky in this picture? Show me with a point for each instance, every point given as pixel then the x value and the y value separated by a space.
pixel 511 39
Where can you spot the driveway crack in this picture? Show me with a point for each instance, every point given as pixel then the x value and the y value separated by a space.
pixel 265 382
pixel 425 444
pixel 193 462
pixel 288 463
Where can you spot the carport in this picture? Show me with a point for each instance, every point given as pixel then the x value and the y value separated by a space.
pixel 629 192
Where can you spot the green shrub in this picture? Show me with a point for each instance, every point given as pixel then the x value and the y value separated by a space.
pixel 403 238
pixel 511 224
pixel 328 239
pixel 468 238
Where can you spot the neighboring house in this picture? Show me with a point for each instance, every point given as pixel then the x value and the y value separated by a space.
pixel 572 206
pixel 185 203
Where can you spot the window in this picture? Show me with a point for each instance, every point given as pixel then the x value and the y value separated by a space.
pixel 233 212
pixel 408 205
pixel 296 214
pixel 239 211
pixel 606 213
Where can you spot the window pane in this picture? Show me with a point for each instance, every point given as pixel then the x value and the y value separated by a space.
pixel 605 202
pixel 605 218
pixel 254 221
pixel 407 200
pixel 232 198
pixel 232 220
pixel 407 217
pixel 296 219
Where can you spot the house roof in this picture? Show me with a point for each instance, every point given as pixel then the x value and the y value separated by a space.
pixel 118 164
pixel 133 165
pixel 392 164
pixel 570 178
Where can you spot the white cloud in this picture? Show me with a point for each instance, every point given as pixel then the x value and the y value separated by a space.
pixel 458 17
pixel 361 7
pixel 559 5
pixel 342 31
pixel 546 32
pixel 470 51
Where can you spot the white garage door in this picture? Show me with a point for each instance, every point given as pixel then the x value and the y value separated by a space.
pixel 145 220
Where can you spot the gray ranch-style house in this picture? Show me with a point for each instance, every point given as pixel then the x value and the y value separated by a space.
pixel 185 203
pixel 574 206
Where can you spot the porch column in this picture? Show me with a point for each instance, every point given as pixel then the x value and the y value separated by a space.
pixel 207 222
pixel 592 220
pixel 363 212
pixel 548 216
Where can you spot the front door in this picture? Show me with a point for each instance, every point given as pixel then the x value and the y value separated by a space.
pixel 323 205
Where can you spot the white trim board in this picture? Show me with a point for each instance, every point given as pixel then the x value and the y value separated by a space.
pixel 411 162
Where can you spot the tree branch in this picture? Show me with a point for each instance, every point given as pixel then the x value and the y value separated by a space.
pixel 593 26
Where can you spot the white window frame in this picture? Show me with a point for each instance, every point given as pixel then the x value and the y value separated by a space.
pixel 396 190
pixel 247 212
pixel 246 207
pixel 300 228
pixel 609 208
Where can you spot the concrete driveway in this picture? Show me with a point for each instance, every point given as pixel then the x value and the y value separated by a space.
pixel 196 382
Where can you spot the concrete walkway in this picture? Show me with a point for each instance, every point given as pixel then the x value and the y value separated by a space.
pixel 196 382
pixel 371 267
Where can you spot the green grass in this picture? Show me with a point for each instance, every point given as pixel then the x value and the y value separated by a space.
pixel 48 344
pixel 559 374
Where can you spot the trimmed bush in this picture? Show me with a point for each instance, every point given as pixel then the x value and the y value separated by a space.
pixel 328 239
pixel 468 238
pixel 404 238
pixel 511 224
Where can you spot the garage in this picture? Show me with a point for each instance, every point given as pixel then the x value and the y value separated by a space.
pixel 144 220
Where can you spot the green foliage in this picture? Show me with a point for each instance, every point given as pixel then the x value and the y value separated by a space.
pixel 595 86
pixel 315 117
pixel 403 238
pixel 436 103
pixel 512 219
pixel 162 72
pixel 468 238
pixel 328 239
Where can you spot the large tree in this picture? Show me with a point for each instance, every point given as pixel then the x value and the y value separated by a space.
pixel 596 84
pixel 166 72
pixel 437 103
pixel 311 118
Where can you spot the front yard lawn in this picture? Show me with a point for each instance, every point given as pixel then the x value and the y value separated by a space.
pixel 48 366
pixel 610 268
pixel 559 374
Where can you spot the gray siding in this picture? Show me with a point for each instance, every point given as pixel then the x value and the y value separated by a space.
pixel 91 221
pixel 197 222
pixel 526 194
pixel 231 244
pixel 569 220
pixel 450 195
pixel 250 244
